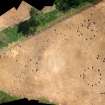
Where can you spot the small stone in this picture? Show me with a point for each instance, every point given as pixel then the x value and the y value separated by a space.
pixel 36 70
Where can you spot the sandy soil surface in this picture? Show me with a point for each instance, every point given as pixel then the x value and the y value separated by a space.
pixel 14 16
pixel 65 63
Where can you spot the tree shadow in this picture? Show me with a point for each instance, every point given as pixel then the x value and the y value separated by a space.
pixel 25 102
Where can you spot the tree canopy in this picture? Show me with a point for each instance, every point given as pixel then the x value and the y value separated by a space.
pixel 64 5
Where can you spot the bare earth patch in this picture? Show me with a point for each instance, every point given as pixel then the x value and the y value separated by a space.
pixel 65 63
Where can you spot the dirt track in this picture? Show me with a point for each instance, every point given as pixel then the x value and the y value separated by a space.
pixel 65 63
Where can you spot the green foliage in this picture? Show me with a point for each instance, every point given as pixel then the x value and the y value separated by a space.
pixel 34 12
pixel 29 26
pixel 4 97
pixel 46 18
pixel 64 5
pixel 36 19
pixel 8 36
pixel 39 20
pixel 12 34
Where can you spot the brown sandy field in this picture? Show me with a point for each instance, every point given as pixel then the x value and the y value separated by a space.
pixel 65 63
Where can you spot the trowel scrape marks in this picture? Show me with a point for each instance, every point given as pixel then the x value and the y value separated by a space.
pixel 92 76
pixel 87 26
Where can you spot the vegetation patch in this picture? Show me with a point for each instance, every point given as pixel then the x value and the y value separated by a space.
pixel 39 20
pixel 65 5
pixel 4 97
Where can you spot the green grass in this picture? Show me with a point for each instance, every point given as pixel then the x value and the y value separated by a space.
pixel 45 20
pixel 12 34
pixel 8 36
pixel 4 97
pixel 48 17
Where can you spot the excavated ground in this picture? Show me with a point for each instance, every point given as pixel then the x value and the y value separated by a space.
pixel 65 63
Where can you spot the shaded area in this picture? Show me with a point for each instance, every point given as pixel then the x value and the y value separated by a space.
pixel 37 19
pixel 37 22
pixel 65 5
pixel 29 26
pixel 26 102
pixel 4 97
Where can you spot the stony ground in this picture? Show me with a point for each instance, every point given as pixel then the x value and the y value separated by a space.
pixel 65 63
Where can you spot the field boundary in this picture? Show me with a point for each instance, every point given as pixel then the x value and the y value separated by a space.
pixel 63 16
